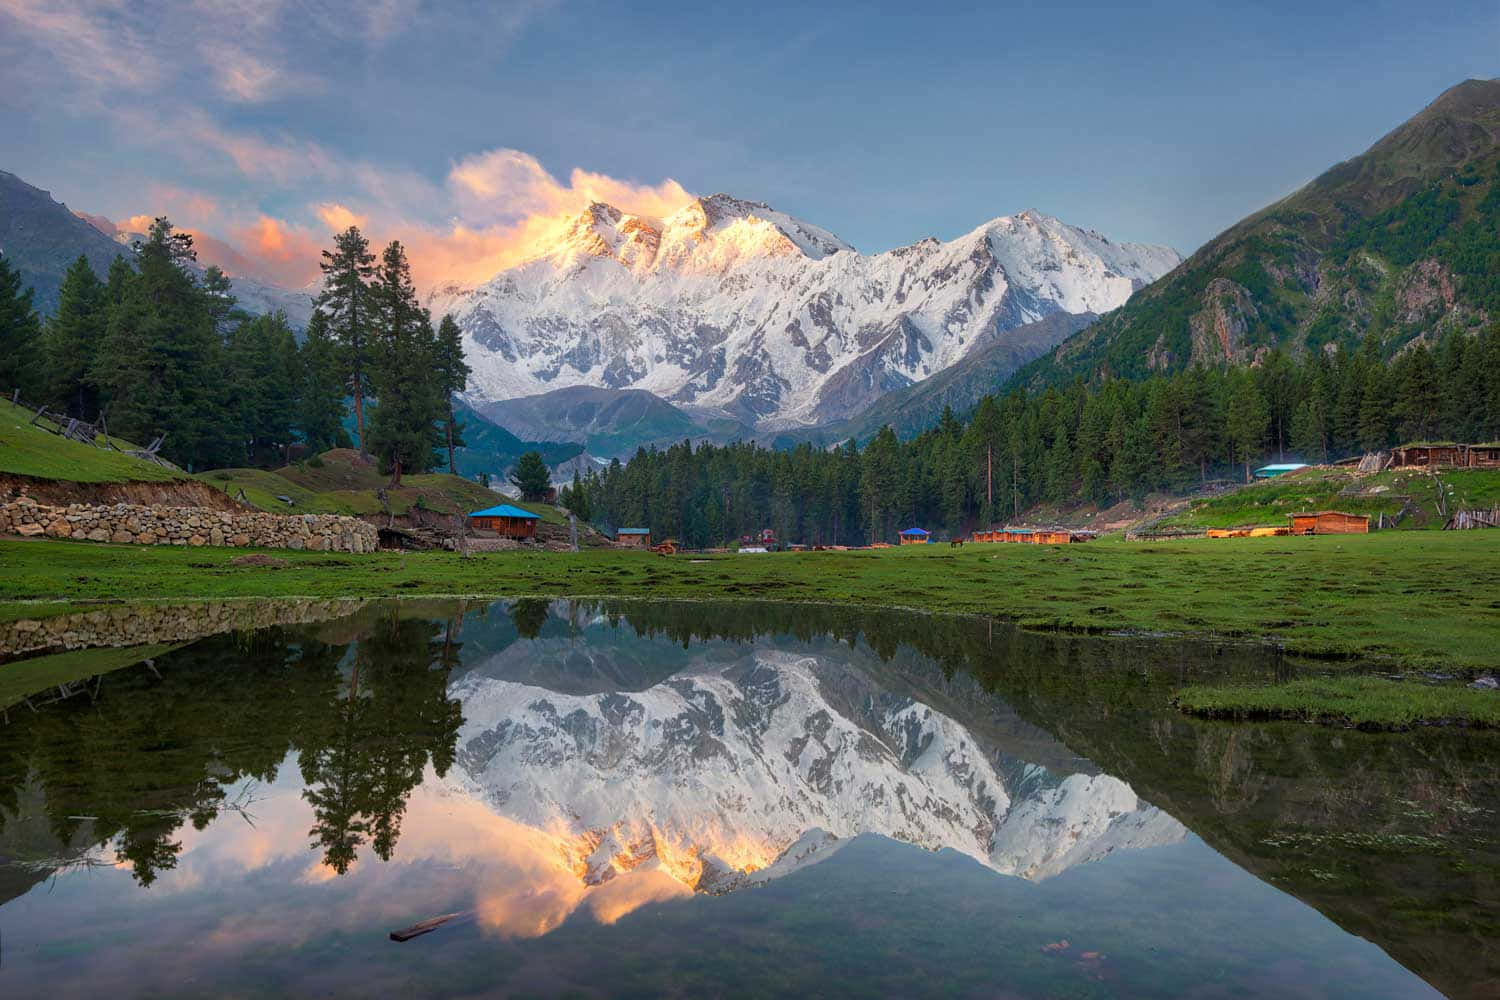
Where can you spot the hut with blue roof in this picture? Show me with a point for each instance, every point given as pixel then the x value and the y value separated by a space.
pixel 505 520
pixel 915 536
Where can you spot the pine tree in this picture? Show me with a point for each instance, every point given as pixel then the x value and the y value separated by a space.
pixel 454 374
pixel 19 329
pixel 160 368
pixel 410 402
pixel 531 476
pixel 262 353
pixel 348 270
pixel 1418 400
pixel 1309 431
pixel 72 336
pixel 320 404
pixel 1246 420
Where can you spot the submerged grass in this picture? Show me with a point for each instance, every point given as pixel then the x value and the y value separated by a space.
pixel 1362 701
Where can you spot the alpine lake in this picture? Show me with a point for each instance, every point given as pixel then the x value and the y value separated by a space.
pixel 600 798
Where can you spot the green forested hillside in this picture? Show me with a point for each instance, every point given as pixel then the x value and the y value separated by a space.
pixel 1398 243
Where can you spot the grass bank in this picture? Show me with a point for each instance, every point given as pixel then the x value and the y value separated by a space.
pixel 27 450
pixel 1411 599
pixel 1361 701
pixel 1414 492
pixel 340 482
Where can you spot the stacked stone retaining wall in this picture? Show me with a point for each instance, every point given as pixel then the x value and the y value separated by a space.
pixel 147 624
pixel 156 525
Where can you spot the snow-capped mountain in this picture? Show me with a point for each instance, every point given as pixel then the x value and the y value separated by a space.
pixel 734 308
pixel 741 769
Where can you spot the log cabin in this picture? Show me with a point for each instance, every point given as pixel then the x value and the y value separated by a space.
pixel 506 521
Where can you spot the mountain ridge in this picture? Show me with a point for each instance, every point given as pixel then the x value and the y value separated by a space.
pixel 1385 241
pixel 42 237
pixel 728 307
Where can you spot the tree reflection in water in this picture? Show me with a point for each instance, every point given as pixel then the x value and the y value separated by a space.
pixel 159 748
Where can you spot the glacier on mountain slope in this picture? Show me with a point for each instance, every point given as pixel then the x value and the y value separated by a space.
pixel 732 773
pixel 731 307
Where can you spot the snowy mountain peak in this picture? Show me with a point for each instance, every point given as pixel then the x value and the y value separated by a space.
pixel 732 773
pixel 729 305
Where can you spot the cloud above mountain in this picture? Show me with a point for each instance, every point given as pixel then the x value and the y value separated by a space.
pixel 496 204
pixel 264 199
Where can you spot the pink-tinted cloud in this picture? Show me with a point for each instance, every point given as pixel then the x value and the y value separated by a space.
pixel 506 184
pixel 338 217
pixel 285 254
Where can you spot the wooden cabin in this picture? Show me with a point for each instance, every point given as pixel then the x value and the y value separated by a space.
pixel 506 521
pixel 915 536
pixel 1330 522
pixel 634 538
pixel 1430 455
pixel 1483 456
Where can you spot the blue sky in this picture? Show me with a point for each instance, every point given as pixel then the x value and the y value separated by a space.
pixel 451 125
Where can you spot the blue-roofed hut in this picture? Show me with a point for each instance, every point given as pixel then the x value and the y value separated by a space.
pixel 915 536
pixel 1279 469
pixel 634 538
pixel 505 520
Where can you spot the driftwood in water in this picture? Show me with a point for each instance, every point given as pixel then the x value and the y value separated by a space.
pixel 432 924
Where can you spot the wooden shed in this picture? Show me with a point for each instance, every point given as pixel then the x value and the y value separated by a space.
pixel 1483 456
pixel 506 521
pixel 634 538
pixel 1330 522
pixel 1429 455
pixel 915 536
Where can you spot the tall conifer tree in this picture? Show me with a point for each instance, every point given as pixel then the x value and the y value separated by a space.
pixel 72 336
pixel 347 272
pixel 404 430
pixel 454 374
pixel 19 329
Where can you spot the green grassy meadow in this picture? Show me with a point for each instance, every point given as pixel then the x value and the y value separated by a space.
pixel 1415 600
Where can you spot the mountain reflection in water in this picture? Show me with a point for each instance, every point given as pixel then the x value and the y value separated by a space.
pixel 253 811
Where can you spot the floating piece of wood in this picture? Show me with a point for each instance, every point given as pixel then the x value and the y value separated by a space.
pixel 432 924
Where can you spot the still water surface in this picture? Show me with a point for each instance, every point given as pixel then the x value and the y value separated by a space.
pixel 706 799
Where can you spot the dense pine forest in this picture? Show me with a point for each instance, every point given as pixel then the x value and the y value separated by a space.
pixel 157 347
pixel 1098 444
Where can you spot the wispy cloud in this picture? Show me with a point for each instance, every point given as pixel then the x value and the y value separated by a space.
pixel 180 80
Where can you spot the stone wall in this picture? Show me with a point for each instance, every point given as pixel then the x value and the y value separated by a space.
pixel 147 624
pixel 156 525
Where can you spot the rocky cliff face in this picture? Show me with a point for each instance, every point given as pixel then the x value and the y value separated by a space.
pixel 733 308
pixel 739 769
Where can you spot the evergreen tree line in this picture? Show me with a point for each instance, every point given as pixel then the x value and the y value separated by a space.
pixel 1099 444
pixel 159 348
